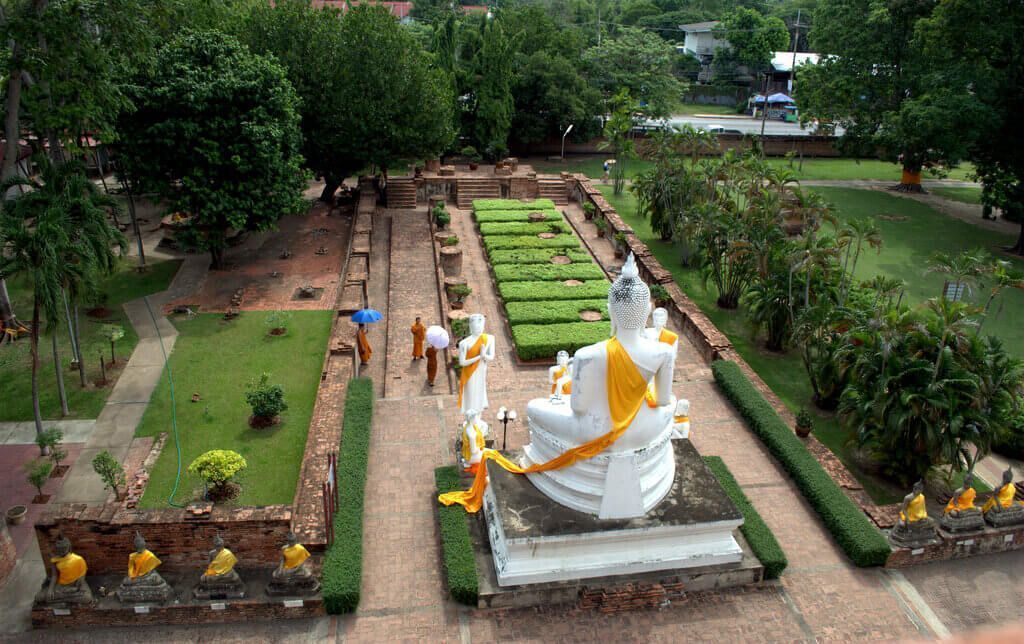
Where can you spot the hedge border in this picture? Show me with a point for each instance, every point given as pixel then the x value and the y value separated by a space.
pixel 538 341
pixel 513 204
pixel 757 533
pixel 505 273
pixel 509 216
pixel 537 256
pixel 343 562
pixel 855 534
pixel 456 545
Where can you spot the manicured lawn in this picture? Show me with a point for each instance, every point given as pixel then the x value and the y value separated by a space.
pixel 16 362
pixel 217 359
pixel 907 245
pixel 966 195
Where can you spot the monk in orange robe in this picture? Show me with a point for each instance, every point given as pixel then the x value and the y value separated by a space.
pixel 419 334
pixel 431 365
pixel 363 345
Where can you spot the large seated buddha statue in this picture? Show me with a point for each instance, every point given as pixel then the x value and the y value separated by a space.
pixel 609 400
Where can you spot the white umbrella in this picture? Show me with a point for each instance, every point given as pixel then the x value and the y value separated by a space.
pixel 437 337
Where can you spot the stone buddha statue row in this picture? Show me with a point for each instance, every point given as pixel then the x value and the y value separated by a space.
pixel 144 584
pixel 916 529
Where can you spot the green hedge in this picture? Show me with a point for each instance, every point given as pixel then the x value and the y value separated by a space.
pixel 852 530
pixel 537 256
pixel 546 272
pixel 343 563
pixel 524 228
pixel 491 216
pixel 513 204
pixel 456 545
pixel 754 529
pixel 506 242
pixel 553 311
pixel 535 341
pixel 539 291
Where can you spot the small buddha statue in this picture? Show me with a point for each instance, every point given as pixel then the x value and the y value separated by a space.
pixel 914 528
pixel 659 333
pixel 1002 509
pixel 143 583
pixel 961 515
pixel 560 377
pixel 292 576
pixel 472 441
pixel 67 580
pixel 681 420
pixel 220 580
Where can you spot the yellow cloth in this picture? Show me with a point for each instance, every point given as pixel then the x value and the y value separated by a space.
pixel 141 563
pixel 222 563
pixel 364 346
pixel 70 568
pixel 467 452
pixel 668 337
pixel 963 502
pixel 567 387
pixel 294 556
pixel 680 419
pixel 467 372
pixel 1005 497
pixel 915 510
pixel 626 387
pixel 419 334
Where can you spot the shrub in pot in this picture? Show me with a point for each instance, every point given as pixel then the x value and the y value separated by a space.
pixel 660 294
pixel 602 225
pixel 441 216
pixel 804 423
pixel 457 294
pixel 588 210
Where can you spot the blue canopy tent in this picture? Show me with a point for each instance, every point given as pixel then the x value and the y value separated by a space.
pixel 776 98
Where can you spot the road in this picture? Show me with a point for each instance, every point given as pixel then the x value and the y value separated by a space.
pixel 744 124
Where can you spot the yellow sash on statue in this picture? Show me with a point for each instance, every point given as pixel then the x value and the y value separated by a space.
pixel 567 387
pixel 141 563
pixel 668 337
pixel 467 372
pixel 294 556
pixel 70 568
pixel 626 387
pixel 1004 497
pixel 222 563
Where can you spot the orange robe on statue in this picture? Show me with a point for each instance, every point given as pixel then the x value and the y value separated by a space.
pixel 419 334
pixel 669 338
pixel 626 387
pixel 364 346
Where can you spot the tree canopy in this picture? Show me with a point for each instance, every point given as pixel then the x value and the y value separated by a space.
pixel 640 63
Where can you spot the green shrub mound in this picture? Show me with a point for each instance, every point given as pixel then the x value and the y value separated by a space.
pixel 1011 442
pixel 456 545
pixel 504 273
pixel 343 562
pixel 539 291
pixel 554 311
pixel 535 341
pixel 524 228
pixel 537 256
pixel 513 204
pixel 757 533
pixel 493 216
pixel 852 530
pixel 505 242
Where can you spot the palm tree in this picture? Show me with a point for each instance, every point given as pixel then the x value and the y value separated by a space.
pixel 963 269
pixel 853 235
pixel 1004 276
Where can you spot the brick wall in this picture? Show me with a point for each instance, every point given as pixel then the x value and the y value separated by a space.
pixel 969 545
pixel 242 610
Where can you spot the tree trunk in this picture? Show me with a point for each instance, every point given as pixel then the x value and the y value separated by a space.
pixel 331 186
pixel 135 226
pixel 34 350
pixel 61 393
pixel 12 130
pixel 216 258
pixel 78 341
pixel 910 181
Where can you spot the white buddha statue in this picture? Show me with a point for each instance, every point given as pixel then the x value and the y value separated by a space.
pixel 475 352
pixel 474 439
pixel 609 383
pixel 560 376
pixel 659 333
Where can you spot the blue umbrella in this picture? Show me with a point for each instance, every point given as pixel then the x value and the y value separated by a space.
pixel 367 316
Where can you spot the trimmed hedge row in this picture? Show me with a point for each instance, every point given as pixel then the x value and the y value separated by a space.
pixel 490 216
pixel 524 228
pixel 537 256
pixel 539 291
pixel 513 204
pixel 547 272
pixel 553 311
pixel 754 529
pixel 456 545
pixel 545 340
pixel 343 562
pixel 851 529
pixel 506 242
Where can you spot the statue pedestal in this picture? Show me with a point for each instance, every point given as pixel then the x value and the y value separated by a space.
pixel 963 521
pixel 295 585
pixel 534 540
pixel 145 589
pixel 914 535
pixel 227 586
pixel 1006 517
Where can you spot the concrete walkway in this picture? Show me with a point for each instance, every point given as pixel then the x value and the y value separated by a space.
pixel 24 432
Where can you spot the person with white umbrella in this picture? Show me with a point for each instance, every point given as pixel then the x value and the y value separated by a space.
pixel 437 338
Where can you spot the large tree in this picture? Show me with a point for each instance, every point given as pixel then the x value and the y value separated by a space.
pixel 215 129
pixel 641 63
pixel 753 38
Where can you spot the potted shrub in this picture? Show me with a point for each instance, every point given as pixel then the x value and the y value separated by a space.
pixel 16 514
pixel 267 402
pixel 451 240
pixel 588 210
pixel 804 423
pixel 472 155
pixel 602 225
pixel 110 471
pixel 457 294
pixel 441 216
pixel 620 244
pixel 460 328
pixel 660 294
pixel 217 467
pixel 277 322
pixel 37 472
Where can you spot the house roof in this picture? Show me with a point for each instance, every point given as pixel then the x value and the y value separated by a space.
pixel 782 61
pixel 699 27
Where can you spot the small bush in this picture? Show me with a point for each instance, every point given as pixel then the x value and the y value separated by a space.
pixel 852 530
pixel 546 272
pixel 538 291
pixel 757 533
pixel 460 328
pixel 601 224
pixel 471 153
pixel 620 239
pixel 343 562
pixel 524 228
pixel 535 341
pixel 37 472
pixel 48 439
pixel 497 216
pixel 505 242
pixel 110 471
pixel 554 311
pixel 1011 442
pixel 278 320
pixel 456 545
pixel 440 216
pixel 217 467
pixel 659 293
pixel 451 241
pixel 513 204
pixel 266 400
pixel 537 256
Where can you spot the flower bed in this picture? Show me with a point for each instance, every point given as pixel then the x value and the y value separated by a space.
pixel 524 228
pixel 505 273
pixel 540 291
pixel 494 216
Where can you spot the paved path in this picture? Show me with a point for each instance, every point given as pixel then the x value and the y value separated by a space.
pixel 24 432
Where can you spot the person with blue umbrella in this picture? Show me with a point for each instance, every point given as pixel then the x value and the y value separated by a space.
pixel 362 318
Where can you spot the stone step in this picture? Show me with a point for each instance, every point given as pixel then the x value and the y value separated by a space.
pixel 401 193
pixel 553 189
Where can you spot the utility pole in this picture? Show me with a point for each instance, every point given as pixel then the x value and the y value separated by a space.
pixel 796 41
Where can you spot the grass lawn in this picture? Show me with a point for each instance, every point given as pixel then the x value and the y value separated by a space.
pixel 966 195
pixel 16 362
pixel 697 108
pixel 907 246
pixel 217 359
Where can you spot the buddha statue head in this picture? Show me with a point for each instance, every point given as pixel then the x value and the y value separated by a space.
pixel 1007 476
pixel 562 358
pixel 660 318
pixel 629 299
pixel 918 488
pixel 140 543
pixel 472 417
pixel 218 543
pixel 62 546
pixel 291 539
pixel 476 324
